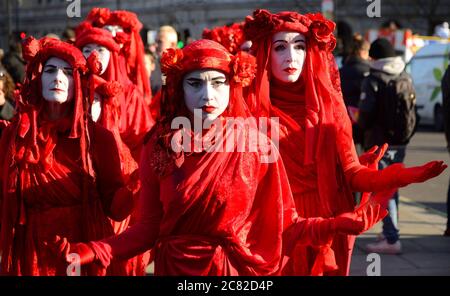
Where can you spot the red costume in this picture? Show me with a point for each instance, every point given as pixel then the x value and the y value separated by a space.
pixel 135 119
pixel 58 177
pixel 112 98
pixel 316 145
pixel 214 213
pixel 133 47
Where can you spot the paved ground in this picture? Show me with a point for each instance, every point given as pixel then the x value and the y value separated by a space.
pixel 425 251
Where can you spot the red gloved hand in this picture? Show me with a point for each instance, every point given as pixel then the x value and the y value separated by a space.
pixel 365 216
pixel 420 173
pixel 64 250
pixel 371 158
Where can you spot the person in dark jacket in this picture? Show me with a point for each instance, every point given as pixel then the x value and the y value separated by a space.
pixel 446 103
pixel 13 61
pixel 356 67
pixel 386 66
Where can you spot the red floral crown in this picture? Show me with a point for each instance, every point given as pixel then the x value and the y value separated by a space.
pixel 231 37
pixel 103 16
pixel 209 54
pixel 313 25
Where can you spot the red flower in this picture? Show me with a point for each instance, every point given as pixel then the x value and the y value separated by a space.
pixel 30 48
pixel 258 25
pixel 110 89
pixel 171 60
pixel 94 63
pixel 99 16
pixel 321 30
pixel 243 66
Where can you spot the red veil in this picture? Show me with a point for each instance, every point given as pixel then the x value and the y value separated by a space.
pixel 30 168
pixel 314 113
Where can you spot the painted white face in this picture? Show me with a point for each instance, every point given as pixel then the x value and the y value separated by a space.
pixel 113 29
pixel 207 90
pixel 104 54
pixel 57 81
pixel 96 108
pixel 287 56
pixel 246 45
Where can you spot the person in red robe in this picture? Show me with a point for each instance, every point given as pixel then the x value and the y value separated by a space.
pixel 134 115
pixel 126 26
pixel 59 172
pixel 207 211
pixel 106 97
pixel 297 81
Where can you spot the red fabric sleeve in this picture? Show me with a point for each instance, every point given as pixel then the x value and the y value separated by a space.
pixel 142 235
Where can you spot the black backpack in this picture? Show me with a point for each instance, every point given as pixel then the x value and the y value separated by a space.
pixel 397 109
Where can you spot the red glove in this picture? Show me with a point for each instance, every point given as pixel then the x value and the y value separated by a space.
pixel 394 176
pixel 365 216
pixel 63 249
pixel 371 159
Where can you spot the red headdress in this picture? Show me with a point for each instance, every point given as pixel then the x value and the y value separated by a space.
pixel 319 83
pixel 205 54
pixel 30 100
pixel 231 37
pixel 317 89
pixel 201 54
pixel 133 47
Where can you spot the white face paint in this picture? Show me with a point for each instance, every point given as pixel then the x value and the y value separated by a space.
pixel 287 56
pixel 57 81
pixel 113 29
pixel 207 90
pixel 96 108
pixel 104 54
pixel 246 45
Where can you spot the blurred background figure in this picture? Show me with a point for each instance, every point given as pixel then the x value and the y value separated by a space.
pixel 442 30
pixel 6 95
pixel 68 35
pixel 446 103
pixel 355 68
pixel 13 60
pixel 167 37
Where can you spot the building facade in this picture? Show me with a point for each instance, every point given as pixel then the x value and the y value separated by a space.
pixel 189 17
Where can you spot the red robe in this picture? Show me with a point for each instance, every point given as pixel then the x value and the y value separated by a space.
pixel 220 213
pixel 309 181
pixel 38 204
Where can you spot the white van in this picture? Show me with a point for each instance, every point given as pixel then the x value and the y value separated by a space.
pixel 427 68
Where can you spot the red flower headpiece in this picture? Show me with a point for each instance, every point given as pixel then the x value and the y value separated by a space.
pixel 231 37
pixel 101 17
pixel 313 26
pixel 202 54
pixel 97 36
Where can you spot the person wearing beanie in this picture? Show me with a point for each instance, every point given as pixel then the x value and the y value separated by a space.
pixel 60 172
pixel 385 68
